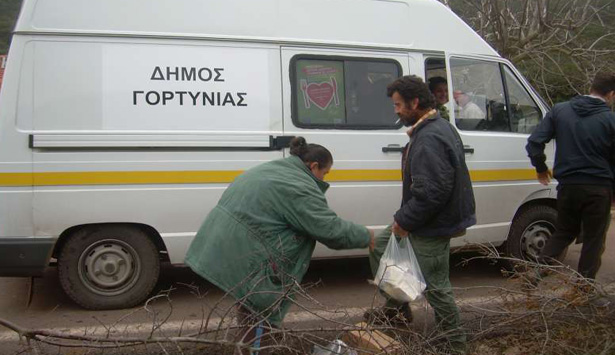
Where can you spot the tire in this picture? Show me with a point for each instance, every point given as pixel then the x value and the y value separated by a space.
pixel 530 231
pixel 108 267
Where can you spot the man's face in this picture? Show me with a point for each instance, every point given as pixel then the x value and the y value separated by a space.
pixel 407 111
pixel 441 93
pixel 460 97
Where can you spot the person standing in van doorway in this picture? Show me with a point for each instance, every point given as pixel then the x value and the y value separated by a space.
pixel 257 243
pixel 437 205
pixel 439 88
pixel 584 130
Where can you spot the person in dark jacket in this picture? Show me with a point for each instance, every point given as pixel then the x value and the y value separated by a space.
pixel 584 129
pixel 437 203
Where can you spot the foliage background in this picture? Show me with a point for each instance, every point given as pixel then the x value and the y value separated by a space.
pixel 559 45
pixel 9 9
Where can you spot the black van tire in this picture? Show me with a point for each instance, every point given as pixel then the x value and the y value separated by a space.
pixel 108 267
pixel 530 231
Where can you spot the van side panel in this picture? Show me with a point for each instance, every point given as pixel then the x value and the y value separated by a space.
pixel 85 85
pixel 141 131
pixel 20 252
pixel 496 205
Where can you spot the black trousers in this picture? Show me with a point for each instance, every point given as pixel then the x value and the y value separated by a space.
pixel 587 205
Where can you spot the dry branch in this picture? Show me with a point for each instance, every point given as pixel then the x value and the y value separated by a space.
pixel 542 310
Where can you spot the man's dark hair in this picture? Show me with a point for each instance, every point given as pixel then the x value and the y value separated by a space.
pixel 603 83
pixel 411 87
pixel 435 81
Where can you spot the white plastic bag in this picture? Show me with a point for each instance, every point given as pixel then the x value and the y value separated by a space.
pixel 399 274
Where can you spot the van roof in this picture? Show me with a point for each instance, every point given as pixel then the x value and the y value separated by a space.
pixel 390 24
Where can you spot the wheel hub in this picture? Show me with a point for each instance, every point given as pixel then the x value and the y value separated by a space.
pixel 535 238
pixel 109 267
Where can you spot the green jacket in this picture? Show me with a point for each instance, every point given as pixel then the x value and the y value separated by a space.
pixel 256 244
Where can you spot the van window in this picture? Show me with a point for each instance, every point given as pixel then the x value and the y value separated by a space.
pixel 479 96
pixel 488 97
pixel 342 93
pixel 525 114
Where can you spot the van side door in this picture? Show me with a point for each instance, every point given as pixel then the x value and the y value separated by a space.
pixel 495 110
pixel 337 98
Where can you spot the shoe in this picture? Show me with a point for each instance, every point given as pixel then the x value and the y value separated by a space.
pixel 389 315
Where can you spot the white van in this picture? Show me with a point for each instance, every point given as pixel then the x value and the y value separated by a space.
pixel 122 122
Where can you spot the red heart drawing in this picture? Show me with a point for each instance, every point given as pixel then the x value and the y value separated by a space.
pixel 320 94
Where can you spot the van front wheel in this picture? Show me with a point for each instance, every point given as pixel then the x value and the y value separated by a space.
pixel 530 231
pixel 108 267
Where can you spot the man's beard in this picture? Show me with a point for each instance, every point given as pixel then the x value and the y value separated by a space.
pixel 408 121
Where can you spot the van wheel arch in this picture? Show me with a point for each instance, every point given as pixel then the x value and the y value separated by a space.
pixel 149 230
pixel 550 202
pixel 108 266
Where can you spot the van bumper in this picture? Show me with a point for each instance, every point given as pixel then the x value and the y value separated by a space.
pixel 25 256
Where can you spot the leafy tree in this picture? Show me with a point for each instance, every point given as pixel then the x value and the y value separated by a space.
pixel 9 9
pixel 559 45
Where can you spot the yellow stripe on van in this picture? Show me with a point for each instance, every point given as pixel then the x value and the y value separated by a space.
pixel 15 179
pixel 364 175
pixel 222 176
pixel 134 177
pixel 502 175
pixel 395 175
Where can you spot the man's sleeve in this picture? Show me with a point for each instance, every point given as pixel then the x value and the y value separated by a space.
pixel 536 142
pixel 433 179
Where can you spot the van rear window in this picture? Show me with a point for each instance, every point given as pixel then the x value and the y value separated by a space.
pixel 342 93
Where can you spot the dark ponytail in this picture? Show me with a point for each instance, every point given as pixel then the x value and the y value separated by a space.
pixel 310 153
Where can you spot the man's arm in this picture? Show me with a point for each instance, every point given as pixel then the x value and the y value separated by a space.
pixel 433 178
pixel 536 147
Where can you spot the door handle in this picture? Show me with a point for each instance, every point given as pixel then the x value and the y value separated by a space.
pixel 279 142
pixel 468 150
pixel 393 148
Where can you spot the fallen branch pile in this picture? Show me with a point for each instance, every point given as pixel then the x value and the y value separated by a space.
pixel 545 310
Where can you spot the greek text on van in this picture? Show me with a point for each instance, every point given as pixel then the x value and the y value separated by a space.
pixel 187 97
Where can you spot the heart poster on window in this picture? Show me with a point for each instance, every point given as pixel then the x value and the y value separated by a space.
pixel 320 92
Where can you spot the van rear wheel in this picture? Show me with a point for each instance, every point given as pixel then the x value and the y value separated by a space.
pixel 108 267
pixel 530 231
